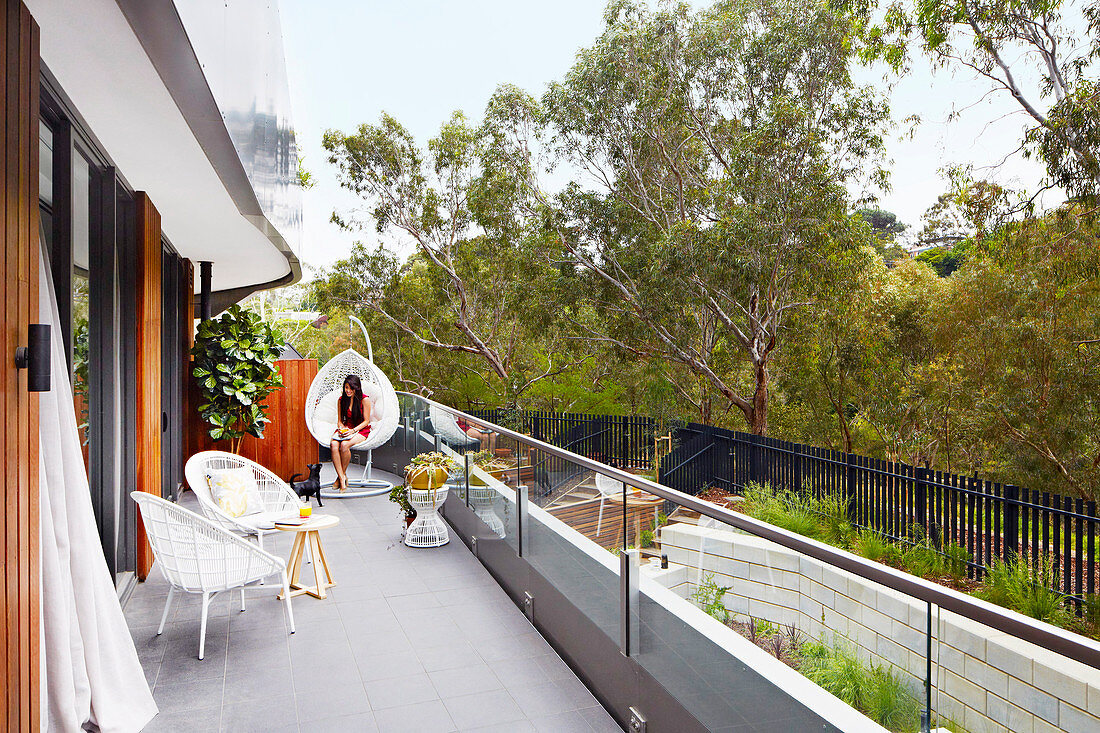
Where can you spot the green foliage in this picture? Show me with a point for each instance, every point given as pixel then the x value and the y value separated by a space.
pixel 877 691
pixel 922 557
pixel 234 366
pixel 399 495
pixel 1027 588
pixel 944 260
pixel 646 538
pixel 432 460
pixel 956 560
pixel 822 518
pixel 871 545
pixel 80 373
pixel 708 595
pixel 753 292
pixel 889 701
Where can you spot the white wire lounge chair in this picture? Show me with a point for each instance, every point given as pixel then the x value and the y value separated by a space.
pixel 322 408
pixel 278 498
pixel 197 556
pixel 447 428
pixel 608 488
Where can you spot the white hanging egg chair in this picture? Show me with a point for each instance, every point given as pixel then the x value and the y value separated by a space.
pixel 323 406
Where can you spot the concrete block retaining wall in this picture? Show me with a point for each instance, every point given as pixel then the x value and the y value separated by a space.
pixel 982 679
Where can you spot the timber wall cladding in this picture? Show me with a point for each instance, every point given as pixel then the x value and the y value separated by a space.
pixel 19 243
pixel 148 364
pixel 287 445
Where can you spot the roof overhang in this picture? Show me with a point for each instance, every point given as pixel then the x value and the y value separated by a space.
pixel 130 70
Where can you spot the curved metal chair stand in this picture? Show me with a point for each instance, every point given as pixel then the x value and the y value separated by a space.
pixel 195 555
pixel 322 407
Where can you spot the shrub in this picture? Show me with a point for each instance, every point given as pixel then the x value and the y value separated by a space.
pixel 833 514
pixel 838 671
pixel 877 691
pixel 956 560
pixel 889 702
pixel 709 597
pixel 922 558
pixel 1027 588
pixel 871 545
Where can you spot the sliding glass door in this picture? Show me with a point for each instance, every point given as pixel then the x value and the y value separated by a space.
pixel 87 234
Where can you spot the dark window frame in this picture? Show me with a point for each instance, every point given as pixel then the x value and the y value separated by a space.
pixel 112 318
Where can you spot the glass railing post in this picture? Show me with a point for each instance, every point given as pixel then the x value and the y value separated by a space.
pixel 521 520
pixel 629 613
pixel 466 478
pixel 926 714
pixel 626 514
pixel 438 443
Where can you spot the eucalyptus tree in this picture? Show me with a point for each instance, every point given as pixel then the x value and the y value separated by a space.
pixel 711 150
pixel 1042 53
pixel 469 288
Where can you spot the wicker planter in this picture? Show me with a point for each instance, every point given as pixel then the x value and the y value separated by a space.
pixel 428 529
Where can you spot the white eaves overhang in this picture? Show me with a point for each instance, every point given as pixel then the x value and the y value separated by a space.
pixel 186 163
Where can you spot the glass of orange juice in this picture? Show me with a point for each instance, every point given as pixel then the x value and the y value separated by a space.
pixel 305 510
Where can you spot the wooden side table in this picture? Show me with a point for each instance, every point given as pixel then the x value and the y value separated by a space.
pixel 308 534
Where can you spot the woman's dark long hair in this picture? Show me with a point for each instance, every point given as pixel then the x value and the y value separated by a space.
pixel 356 401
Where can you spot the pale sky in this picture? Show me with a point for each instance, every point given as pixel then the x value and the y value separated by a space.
pixel 420 60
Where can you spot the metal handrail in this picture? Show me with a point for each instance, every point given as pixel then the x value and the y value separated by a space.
pixel 1079 649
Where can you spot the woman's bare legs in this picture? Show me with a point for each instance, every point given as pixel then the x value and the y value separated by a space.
pixel 345 456
pixel 485 438
pixel 336 446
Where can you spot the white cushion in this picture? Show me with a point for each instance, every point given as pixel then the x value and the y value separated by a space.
pixel 234 491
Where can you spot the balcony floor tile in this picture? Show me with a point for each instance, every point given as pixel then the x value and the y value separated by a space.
pixel 409 640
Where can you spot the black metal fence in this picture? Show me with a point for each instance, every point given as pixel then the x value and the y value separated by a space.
pixel 990 519
pixel 623 441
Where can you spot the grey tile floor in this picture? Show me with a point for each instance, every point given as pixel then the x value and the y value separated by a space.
pixel 408 640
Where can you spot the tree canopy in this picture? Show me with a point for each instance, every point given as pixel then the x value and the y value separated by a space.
pixel 671 229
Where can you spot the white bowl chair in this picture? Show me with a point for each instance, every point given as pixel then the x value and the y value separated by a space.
pixel 197 556
pixel 608 488
pixel 446 427
pixel 278 498
pixel 323 407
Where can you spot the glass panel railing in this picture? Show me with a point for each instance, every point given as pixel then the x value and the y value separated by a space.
pixel 570 538
pixel 727 617
pixel 736 607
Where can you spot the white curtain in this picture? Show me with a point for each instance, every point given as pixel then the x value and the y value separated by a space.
pixel 91 676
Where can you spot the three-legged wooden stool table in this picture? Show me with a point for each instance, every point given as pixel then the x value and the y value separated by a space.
pixel 309 535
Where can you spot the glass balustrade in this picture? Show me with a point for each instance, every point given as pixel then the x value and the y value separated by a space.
pixel 741 623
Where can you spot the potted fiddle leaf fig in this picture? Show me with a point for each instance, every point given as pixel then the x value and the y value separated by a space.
pixel 234 365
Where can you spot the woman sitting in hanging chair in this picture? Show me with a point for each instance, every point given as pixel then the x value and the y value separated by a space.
pixel 354 427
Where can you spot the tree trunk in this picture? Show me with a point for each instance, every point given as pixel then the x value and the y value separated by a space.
pixel 758 420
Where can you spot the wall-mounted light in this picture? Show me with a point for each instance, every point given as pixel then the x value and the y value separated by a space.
pixel 35 357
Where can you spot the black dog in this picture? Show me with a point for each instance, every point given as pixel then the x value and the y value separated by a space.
pixel 311 486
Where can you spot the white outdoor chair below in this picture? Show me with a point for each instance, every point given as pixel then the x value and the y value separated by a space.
pixel 197 556
pixel 446 427
pixel 608 488
pixel 278 498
